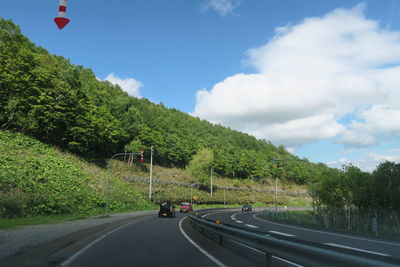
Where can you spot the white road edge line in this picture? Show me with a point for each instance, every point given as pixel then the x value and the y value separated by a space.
pixel 280 233
pixel 356 249
pixel 252 226
pixel 211 257
pixel 80 252
pixel 316 231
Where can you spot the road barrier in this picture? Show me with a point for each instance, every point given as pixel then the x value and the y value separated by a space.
pixel 297 251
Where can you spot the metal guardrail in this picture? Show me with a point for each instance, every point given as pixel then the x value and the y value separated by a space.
pixel 297 251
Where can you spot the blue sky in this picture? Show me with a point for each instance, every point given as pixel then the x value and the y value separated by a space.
pixel 320 77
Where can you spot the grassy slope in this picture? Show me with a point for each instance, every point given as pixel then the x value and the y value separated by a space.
pixel 177 194
pixel 37 179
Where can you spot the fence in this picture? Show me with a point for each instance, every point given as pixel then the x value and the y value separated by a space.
pixel 384 224
pixel 197 185
pixel 297 251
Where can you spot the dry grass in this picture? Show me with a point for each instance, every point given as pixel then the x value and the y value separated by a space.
pixel 120 170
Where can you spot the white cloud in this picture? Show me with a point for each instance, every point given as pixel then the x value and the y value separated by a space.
pixel 129 85
pixel 309 77
pixel 223 7
pixel 368 162
pixel 378 122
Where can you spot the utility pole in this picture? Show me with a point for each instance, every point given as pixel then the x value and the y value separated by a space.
pixel 276 187
pixel 254 198
pixel 151 170
pixel 108 175
pixel 211 182
pixel 276 178
pixel 224 198
pixel 191 195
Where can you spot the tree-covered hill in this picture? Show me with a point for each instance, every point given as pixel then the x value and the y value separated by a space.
pixel 47 97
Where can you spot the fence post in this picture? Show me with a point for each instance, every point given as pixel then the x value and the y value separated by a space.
pixel 374 225
pixel 326 221
pixel 268 259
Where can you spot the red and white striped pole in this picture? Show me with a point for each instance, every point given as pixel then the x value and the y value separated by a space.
pixel 61 20
pixel 142 156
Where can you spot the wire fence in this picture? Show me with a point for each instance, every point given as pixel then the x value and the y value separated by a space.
pixel 197 186
pixel 383 224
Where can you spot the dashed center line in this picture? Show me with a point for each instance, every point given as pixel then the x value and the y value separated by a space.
pixel 252 226
pixel 356 249
pixel 239 221
pixel 280 233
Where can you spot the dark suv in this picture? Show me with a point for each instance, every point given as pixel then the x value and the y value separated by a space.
pixel 167 209
pixel 246 208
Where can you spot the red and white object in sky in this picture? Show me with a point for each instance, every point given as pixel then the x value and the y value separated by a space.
pixel 61 20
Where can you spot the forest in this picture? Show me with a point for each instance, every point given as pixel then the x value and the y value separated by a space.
pixel 46 97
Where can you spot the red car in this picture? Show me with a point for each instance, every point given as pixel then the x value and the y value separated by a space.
pixel 185 207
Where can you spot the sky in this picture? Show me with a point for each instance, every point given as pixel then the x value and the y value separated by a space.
pixel 321 77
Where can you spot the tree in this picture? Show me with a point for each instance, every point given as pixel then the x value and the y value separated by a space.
pixel 200 166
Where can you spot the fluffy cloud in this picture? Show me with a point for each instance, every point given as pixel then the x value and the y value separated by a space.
pixel 369 161
pixel 129 85
pixel 310 77
pixel 223 7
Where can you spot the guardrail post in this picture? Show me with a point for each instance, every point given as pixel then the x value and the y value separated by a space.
pixel 268 259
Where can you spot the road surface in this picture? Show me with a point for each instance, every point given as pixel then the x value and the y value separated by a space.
pixel 255 220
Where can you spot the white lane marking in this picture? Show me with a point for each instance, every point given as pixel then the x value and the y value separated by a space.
pixel 211 257
pixel 280 233
pixel 252 226
pixel 233 216
pixel 210 214
pixel 88 246
pixel 292 263
pixel 239 221
pixel 244 245
pixel 322 232
pixel 356 249
pixel 259 251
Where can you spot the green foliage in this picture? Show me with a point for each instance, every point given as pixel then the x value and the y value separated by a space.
pixel 36 180
pixel 201 166
pixel 49 98
pixel 351 188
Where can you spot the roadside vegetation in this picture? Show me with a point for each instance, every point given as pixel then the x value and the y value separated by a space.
pixel 37 179
pixel 40 183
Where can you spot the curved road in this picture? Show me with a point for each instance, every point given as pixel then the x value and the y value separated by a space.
pixel 255 221
pixel 148 242
pixel 153 241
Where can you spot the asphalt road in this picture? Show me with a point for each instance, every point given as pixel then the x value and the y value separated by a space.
pixel 139 241
pixel 151 241
pixel 254 220
pixel 154 241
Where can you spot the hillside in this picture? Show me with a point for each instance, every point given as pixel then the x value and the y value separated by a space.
pixel 52 100
pixel 37 179
pixel 56 118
